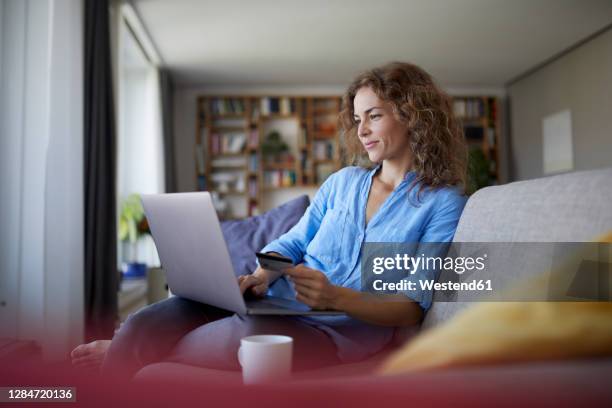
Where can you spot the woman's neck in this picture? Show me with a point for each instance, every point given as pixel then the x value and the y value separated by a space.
pixel 392 172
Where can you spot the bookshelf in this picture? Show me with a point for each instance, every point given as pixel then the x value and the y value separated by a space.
pixel 479 116
pixel 235 157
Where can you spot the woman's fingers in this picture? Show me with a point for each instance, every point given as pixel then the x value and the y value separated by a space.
pixel 260 290
pixel 308 283
pixel 95 348
pixel 306 291
pixel 87 360
pixel 301 271
pixel 249 281
pixel 305 300
pixel 80 350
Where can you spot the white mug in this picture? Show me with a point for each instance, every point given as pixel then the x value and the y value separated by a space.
pixel 265 358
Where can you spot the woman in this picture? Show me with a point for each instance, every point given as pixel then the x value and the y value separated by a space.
pixel 399 124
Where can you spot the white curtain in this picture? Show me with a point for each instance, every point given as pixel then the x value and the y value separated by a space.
pixel 140 153
pixel 41 159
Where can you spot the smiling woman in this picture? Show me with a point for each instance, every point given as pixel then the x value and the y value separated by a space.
pixel 402 99
pixel 398 118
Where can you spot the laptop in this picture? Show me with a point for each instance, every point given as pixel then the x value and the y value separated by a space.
pixel 194 256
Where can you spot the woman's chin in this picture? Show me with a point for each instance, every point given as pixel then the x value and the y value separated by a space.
pixel 375 158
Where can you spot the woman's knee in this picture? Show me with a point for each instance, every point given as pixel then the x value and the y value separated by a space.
pixel 152 315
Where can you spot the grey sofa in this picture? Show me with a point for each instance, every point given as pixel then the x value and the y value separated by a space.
pixel 569 207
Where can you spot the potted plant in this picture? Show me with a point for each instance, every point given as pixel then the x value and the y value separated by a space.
pixel 274 148
pixel 478 170
pixel 132 226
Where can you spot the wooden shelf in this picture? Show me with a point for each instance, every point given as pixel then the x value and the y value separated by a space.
pixel 214 155
pixel 228 116
pixel 228 168
pixel 272 116
pixel 272 188
pixel 228 128
pixel 324 135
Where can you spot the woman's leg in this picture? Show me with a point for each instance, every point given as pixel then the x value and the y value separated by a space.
pixel 149 335
pixel 215 345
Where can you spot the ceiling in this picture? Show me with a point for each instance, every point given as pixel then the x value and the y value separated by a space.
pixel 463 43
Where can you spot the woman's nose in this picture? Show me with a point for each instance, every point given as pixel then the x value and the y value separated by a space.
pixel 363 129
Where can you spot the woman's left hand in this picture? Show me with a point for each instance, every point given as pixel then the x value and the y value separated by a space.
pixel 312 287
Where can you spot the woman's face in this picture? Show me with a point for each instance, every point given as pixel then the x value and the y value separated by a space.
pixel 382 135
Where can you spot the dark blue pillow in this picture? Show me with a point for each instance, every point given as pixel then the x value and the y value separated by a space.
pixel 245 237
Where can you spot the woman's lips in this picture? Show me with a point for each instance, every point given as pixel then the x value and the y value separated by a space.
pixel 369 145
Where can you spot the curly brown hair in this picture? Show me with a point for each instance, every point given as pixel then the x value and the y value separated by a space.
pixel 439 151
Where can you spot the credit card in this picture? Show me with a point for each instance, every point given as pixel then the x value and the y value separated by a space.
pixel 273 262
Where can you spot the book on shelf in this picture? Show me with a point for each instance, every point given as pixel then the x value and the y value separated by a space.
pixel 265 106
pixel 468 108
pixel 253 163
pixel 224 106
pixel 200 161
pixel 253 189
pixel 323 150
pixel 491 136
pixel 492 111
pixel 279 178
pixel 233 142
pixel 253 138
pixel 305 161
pixel 273 105
pixel 285 106
pixel 253 209
pixel 303 136
pixel 202 186
pixel 325 104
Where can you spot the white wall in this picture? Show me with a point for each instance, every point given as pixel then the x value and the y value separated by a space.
pixel 41 175
pixel 580 81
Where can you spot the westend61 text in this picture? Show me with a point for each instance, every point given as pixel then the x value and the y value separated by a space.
pixel 403 285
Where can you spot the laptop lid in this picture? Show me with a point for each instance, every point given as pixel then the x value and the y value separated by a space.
pixel 192 249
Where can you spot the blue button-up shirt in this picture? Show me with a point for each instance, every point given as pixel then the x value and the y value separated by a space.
pixel 330 235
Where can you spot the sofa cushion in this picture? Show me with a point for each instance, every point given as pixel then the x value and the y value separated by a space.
pixel 509 332
pixel 245 237
pixel 572 207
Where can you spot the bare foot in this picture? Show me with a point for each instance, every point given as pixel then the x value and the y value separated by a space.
pixel 90 356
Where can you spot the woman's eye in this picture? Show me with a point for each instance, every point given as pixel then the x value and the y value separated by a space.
pixel 356 120
pixel 375 116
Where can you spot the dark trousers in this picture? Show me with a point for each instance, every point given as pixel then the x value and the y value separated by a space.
pixel 185 331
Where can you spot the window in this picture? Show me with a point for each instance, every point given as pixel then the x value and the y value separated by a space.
pixel 139 139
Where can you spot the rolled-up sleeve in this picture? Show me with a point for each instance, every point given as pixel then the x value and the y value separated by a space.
pixel 293 243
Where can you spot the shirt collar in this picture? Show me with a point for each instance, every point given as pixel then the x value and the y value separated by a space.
pixel 410 175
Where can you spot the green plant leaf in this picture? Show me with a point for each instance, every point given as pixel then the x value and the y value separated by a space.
pixel 131 215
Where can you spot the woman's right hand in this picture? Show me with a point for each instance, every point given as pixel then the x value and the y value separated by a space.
pixel 257 282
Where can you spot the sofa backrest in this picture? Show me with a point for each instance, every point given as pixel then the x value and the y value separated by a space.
pixel 572 207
